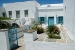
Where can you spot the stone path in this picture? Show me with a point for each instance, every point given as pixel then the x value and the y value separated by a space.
pixel 64 37
pixel 44 38
pixel 53 46
pixel 21 44
pixel 43 43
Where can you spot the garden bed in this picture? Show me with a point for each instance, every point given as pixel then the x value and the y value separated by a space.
pixel 53 32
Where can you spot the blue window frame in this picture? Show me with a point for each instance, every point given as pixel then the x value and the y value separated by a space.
pixel 42 19
pixel 59 20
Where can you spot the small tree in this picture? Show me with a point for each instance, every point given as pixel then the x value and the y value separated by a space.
pixel 40 22
pixel 36 27
pixel 53 32
pixel 35 24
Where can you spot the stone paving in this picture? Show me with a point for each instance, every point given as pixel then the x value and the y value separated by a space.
pixel 64 37
pixel 53 46
pixel 44 38
pixel 43 43
pixel 21 44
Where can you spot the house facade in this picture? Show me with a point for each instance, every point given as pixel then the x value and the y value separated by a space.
pixel 48 14
pixel 51 14
pixel 2 12
pixel 69 15
pixel 26 9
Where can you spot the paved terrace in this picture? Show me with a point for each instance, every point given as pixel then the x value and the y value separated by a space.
pixel 38 45
pixel 64 37
pixel 43 43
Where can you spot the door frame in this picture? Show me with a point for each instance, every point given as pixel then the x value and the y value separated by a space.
pixel 50 17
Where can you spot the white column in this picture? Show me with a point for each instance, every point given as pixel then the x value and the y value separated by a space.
pixel 13 14
pixel 22 14
pixel 55 19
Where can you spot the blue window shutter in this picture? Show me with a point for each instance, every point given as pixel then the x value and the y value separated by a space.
pixel 62 19
pixel 44 20
pixel 57 20
pixel 38 19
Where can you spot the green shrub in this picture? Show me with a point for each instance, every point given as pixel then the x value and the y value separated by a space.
pixel 40 30
pixel 34 27
pixel 53 32
pixel 4 25
pixel 5 18
pixel 53 29
pixel 53 36
pixel 37 27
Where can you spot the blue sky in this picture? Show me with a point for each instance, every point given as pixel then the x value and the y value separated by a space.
pixel 40 1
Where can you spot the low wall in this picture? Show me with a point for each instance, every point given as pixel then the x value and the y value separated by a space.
pixel 23 28
pixel 19 30
pixel 4 40
pixel 35 35
pixel 29 40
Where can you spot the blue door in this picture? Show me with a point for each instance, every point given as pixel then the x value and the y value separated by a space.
pixel 51 21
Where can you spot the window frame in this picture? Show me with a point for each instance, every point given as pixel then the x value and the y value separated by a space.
pixel 26 13
pixel 42 19
pixel 17 13
pixel 10 14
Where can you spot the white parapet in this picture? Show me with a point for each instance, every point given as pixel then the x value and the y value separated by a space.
pixel 29 38
pixel 4 41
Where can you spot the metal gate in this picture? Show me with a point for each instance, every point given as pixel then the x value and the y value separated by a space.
pixel 13 39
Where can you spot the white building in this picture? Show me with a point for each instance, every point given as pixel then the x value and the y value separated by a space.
pixel 2 12
pixel 69 15
pixel 49 14
pixel 26 9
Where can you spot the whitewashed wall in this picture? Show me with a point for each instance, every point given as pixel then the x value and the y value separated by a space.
pixel 4 40
pixel 20 30
pixel 29 40
pixel 1 11
pixel 51 12
pixel 28 5
pixel 69 17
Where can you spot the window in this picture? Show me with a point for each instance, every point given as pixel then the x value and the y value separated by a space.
pixel 42 19
pixel 26 13
pixel 60 20
pixel 3 14
pixel 17 14
pixel 10 14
